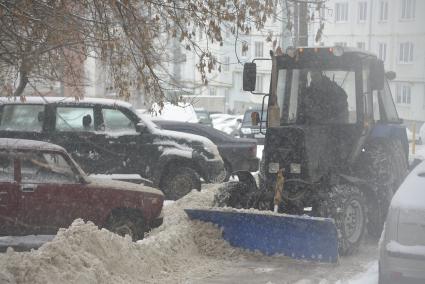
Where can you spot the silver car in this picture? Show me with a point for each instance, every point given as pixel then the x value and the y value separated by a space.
pixel 402 244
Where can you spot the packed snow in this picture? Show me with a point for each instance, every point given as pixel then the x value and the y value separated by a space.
pixel 179 251
pixel 396 247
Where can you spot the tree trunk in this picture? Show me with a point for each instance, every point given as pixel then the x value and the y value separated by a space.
pixel 23 81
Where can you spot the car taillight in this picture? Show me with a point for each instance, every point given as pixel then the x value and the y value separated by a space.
pixel 253 151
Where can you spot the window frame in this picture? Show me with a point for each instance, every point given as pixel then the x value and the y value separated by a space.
pixel 383 11
pixel 406 52
pixel 362 11
pixel 43 122
pixel 341 12
pixel 95 119
pixel 102 125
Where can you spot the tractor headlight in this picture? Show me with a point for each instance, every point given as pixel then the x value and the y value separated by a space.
pixel 295 168
pixel 273 168
pixel 246 130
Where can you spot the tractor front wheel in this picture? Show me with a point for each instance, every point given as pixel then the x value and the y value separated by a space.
pixel 346 205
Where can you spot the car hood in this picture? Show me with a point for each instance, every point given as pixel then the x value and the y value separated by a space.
pixel 186 141
pixel 411 193
pixel 121 185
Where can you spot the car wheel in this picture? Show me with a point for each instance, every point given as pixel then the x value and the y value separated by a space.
pixel 122 224
pixel 346 205
pixel 180 181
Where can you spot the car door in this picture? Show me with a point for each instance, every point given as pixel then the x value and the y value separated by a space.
pixel 51 194
pixel 8 196
pixel 123 141
pixel 77 130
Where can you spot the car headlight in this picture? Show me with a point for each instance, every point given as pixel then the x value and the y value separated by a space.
pixel 246 130
pixel 295 168
pixel 273 168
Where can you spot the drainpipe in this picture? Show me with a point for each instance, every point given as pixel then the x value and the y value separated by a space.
pixel 370 26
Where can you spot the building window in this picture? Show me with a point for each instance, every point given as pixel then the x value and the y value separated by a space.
pixel 226 92
pixel 406 52
pixel 383 10
pixel 258 49
pixel 361 45
pixel 226 63
pixel 212 91
pixel 408 9
pixel 341 12
pixel 259 84
pixel 341 43
pixel 362 11
pixel 382 52
pixel 403 94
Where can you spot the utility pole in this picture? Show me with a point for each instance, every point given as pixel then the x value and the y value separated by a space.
pixel 300 23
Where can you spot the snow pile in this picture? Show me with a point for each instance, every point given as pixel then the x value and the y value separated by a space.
pixel 84 254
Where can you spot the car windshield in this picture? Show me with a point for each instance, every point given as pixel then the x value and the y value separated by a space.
pixel 317 96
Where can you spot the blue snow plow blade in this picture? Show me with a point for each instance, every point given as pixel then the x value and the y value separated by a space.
pixel 299 237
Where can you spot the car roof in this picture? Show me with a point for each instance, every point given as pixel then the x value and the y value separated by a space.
pixel 25 144
pixel 64 100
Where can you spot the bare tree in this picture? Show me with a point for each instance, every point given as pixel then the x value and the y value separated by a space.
pixel 47 40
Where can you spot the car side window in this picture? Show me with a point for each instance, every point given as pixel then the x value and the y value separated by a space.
pixel 116 121
pixel 74 119
pixel 22 117
pixel 6 168
pixel 38 167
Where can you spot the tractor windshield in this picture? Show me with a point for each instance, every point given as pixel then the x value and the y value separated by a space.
pixel 317 96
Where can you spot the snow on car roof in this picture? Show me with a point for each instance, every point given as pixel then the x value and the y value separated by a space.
pixel 411 193
pixel 24 144
pixel 64 100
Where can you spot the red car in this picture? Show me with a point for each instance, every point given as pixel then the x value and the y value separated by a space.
pixel 42 189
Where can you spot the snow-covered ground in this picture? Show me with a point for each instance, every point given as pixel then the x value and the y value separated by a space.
pixel 180 251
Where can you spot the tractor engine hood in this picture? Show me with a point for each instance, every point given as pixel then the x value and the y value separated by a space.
pixel 306 152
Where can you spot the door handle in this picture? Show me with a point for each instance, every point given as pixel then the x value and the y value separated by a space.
pixel 28 187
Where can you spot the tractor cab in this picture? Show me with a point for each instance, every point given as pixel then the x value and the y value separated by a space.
pixel 323 105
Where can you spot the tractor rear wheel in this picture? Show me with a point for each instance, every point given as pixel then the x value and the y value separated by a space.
pixel 346 205
pixel 386 168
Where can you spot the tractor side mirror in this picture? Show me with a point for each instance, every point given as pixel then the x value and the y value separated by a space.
pixel 255 118
pixel 377 75
pixel 249 76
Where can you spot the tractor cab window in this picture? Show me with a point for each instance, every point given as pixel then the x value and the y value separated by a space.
pixel 307 96
pixel 389 110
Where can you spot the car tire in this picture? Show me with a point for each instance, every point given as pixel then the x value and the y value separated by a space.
pixel 346 205
pixel 126 224
pixel 232 194
pixel 180 181
pixel 386 168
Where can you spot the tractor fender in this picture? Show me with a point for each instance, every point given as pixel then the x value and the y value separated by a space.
pixel 247 178
pixel 358 182
pixel 391 131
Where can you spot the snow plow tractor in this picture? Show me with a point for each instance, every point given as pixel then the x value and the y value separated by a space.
pixel 335 150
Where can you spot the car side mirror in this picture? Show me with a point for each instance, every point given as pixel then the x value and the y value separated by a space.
pixel 255 118
pixel 377 75
pixel 249 76
pixel 140 127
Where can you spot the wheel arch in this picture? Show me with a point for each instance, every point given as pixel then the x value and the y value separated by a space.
pixel 165 163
